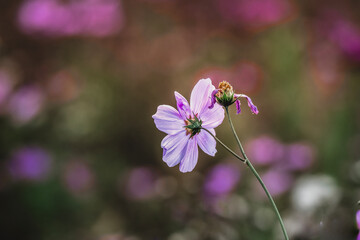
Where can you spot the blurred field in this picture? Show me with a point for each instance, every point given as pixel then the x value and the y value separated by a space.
pixel 80 156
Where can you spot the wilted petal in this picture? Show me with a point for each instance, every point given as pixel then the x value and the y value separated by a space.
pixel 250 103
pixel 189 161
pixel 206 142
pixel 174 148
pixel 212 118
pixel 238 108
pixel 182 106
pixel 213 98
pixel 200 99
pixel 168 120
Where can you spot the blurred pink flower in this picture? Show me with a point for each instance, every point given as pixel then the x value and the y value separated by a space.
pixel 221 179
pixel 140 184
pixel 78 177
pixel 25 104
pixel 30 163
pixel 265 150
pixel 86 17
pixel 299 156
pixel 255 14
pixel 180 146
pixel 358 219
pixel 339 30
pixel 277 181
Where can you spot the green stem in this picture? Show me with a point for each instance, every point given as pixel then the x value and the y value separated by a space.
pixel 235 135
pixel 226 147
pixel 248 163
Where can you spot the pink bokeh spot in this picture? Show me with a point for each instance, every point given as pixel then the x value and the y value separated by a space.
pixel 30 163
pixel 86 17
pixel 78 177
pixel 221 179
pixel 25 104
pixel 255 13
pixel 265 150
pixel 140 184
pixel 277 181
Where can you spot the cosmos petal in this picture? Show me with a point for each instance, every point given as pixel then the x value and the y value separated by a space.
pixel 206 142
pixel 200 98
pixel 212 117
pixel 182 106
pixel 168 120
pixel 190 158
pixel 174 147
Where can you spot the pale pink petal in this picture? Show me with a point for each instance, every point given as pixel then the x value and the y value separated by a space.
pixel 206 142
pixel 200 99
pixel 174 148
pixel 212 118
pixel 182 106
pixel 189 161
pixel 168 120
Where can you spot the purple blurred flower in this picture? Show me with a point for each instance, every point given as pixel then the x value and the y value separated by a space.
pixel 140 184
pixel 30 163
pixel 5 86
pixel 255 13
pixel 298 156
pixel 78 177
pixel 221 179
pixel 277 181
pixel 88 17
pixel 25 104
pixel 358 237
pixel 181 143
pixel 358 219
pixel 265 150
pixel 347 37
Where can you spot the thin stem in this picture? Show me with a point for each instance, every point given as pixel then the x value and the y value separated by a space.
pixel 226 147
pixel 248 163
pixel 235 135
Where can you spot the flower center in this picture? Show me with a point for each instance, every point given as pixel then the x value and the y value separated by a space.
pixel 192 126
pixel 225 95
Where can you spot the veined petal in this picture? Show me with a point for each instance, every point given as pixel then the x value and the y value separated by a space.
pixel 200 98
pixel 206 142
pixel 174 147
pixel 190 158
pixel 212 118
pixel 182 106
pixel 250 103
pixel 168 120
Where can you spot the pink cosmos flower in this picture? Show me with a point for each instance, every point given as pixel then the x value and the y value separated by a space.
pixel 184 126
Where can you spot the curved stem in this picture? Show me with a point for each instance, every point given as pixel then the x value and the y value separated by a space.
pixel 248 163
pixel 226 147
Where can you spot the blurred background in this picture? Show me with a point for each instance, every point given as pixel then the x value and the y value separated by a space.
pixel 80 156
